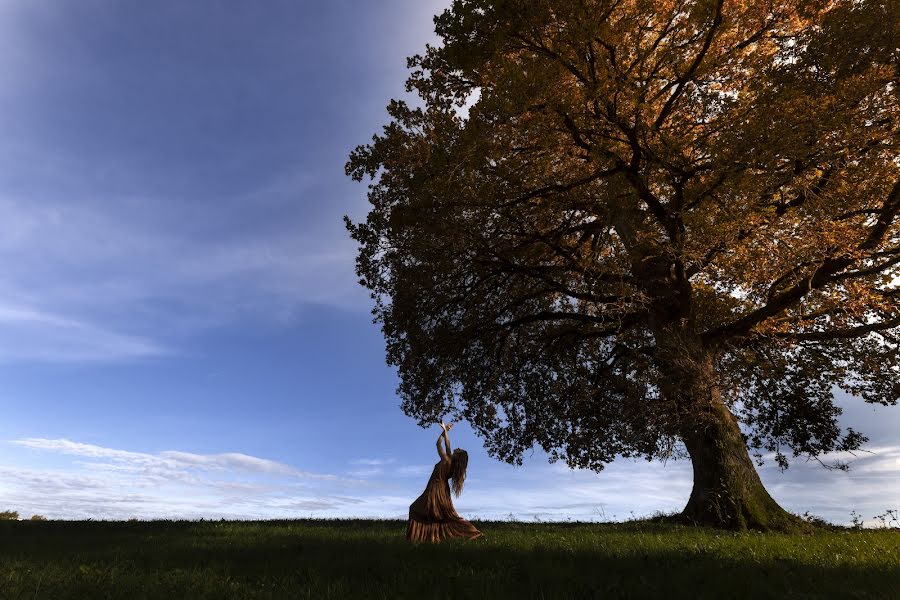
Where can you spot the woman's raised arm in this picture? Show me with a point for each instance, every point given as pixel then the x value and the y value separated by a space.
pixel 444 452
pixel 440 445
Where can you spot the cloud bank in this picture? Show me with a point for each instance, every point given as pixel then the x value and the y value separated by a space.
pixel 107 483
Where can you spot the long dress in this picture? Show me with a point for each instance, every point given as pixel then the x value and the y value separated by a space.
pixel 432 517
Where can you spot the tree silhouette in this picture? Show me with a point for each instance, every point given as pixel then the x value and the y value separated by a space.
pixel 610 226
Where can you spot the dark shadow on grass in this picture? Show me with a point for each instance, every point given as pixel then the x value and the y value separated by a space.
pixel 371 559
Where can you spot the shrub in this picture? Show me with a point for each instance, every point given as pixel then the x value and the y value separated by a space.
pixel 815 520
pixel 9 515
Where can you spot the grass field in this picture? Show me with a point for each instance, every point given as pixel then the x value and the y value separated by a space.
pixel 371 559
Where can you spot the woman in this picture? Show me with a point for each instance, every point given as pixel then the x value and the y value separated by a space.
pixel 432 516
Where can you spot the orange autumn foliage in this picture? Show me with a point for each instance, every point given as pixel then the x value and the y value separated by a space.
pixel 610 227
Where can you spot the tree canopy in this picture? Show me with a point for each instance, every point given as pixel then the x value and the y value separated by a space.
pixel 609 226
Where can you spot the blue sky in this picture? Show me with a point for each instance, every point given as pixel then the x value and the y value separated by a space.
pixel 181 331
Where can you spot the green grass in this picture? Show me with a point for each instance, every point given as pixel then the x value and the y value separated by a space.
pixel 371 559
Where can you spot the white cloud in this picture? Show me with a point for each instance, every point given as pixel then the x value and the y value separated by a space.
pixel 365 473
pixel 870 487
pixel 387 468
pixel 555 492
pixel 414 470
pixel 233 461
pixel 111 483
pixel 169 463
pixel 373 467
pixel 114 484
pixel 374 462
pixel 27 334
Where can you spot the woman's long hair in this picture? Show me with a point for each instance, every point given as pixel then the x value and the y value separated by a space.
pixel 459 461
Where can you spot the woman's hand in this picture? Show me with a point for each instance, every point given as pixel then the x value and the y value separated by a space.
pixel 446 426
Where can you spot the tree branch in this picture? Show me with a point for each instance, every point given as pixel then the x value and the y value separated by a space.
pixel 828 272
pixel 556 316
pixel 681 81
pixel 840 334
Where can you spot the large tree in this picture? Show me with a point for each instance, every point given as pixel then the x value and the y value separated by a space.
pixel 643 227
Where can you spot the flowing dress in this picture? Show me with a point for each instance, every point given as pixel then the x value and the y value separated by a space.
pixel 432 516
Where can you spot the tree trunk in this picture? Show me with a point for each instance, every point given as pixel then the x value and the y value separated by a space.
pixel 727 490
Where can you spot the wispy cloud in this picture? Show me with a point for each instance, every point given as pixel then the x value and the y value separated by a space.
pixel 373 462
pixel 112 280
pixel 133 217
pixel 365 473
pixel 386 468
pixel 637 488
pixel 170 463
pixel 111 483
pixel 414 470
pixel 870 487
pixel 367 468
pixel 27 334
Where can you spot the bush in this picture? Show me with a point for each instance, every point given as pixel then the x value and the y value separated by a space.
pixel 9 515
pixel 38 518
pixel 815 520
